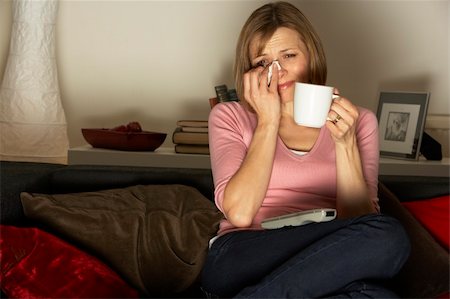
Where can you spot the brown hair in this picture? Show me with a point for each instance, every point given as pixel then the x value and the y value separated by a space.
pixel 263 23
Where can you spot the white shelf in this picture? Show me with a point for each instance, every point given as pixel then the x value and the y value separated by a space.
pixel 166 157
pixel 421 167
pixel 161 157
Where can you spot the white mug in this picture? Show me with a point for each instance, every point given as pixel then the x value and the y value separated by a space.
pixel 312 104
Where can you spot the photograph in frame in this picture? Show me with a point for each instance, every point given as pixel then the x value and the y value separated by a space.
pixel 401 121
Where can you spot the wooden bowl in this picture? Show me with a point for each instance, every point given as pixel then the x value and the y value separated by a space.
pixel 124 141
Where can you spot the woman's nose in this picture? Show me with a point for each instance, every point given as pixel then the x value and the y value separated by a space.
pixel 277 66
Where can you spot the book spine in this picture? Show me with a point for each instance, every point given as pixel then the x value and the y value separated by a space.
pixel 193 123
pixel 180 137
pixel 192 149
pixel 194 129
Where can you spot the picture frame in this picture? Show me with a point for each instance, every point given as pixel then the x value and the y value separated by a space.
pixel 401 121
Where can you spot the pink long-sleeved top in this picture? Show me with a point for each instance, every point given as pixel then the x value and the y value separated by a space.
pixel 298 182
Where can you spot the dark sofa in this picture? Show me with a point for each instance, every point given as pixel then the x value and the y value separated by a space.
pixel 425 275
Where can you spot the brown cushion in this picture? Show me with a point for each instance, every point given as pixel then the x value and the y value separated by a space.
pixel 426 272
pixel 156 236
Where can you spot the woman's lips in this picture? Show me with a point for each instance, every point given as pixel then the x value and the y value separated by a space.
pixel 285 85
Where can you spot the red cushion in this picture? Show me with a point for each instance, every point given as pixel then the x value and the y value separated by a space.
pixel 434 215
pixel 36 264
pixel 444 296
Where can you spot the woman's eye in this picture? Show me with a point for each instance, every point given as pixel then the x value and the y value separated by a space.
pixel 291 55
pixel 262 63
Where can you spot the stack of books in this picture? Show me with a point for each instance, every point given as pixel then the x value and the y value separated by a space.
pixel 191 137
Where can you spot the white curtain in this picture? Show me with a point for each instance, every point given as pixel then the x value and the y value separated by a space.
pixel 32 122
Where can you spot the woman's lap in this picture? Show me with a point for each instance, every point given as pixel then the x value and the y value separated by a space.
pixel 314 260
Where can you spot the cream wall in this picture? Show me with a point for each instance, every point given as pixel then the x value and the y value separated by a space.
pixel 158 61
pixel 5 30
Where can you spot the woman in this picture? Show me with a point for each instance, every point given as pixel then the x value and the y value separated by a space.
pixel 265 165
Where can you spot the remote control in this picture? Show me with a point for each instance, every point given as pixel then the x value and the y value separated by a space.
pixel 299 218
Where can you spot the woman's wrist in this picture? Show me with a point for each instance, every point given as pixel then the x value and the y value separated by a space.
pixel 348 145
pixel 269 124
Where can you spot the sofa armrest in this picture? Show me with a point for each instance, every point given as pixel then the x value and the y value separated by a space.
pixel 426 272
pixel 408 188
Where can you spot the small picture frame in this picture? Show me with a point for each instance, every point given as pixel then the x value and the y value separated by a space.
pixel 401 121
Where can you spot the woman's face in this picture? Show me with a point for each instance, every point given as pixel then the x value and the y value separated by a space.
pixel 287 47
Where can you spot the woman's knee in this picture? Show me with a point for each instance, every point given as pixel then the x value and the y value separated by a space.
pixel 388 230
pixel 389 238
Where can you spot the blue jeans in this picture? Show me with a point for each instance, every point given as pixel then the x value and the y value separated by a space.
pixel 339 259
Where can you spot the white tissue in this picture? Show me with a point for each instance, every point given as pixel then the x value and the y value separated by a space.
pixel 269 74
